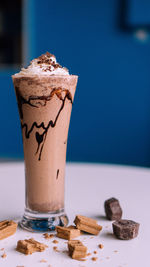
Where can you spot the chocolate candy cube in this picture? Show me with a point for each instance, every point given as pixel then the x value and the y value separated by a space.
pixel 125 229
pixel 112 209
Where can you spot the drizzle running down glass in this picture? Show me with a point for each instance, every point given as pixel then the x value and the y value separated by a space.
pixel 44 93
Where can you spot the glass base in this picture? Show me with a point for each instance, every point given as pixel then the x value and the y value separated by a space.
pixel 43 222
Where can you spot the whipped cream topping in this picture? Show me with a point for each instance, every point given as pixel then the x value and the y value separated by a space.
pixel 45 64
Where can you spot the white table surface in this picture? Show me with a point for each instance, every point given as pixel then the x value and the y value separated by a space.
pixel 87 187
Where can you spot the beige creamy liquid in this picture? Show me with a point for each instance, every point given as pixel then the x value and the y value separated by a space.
pixel 45 109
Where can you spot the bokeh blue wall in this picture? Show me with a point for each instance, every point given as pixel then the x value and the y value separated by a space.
pixel 111 112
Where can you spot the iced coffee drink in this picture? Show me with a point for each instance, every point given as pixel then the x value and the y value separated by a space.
pixel 45 93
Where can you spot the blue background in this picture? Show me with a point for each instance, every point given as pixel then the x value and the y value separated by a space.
pixel 94 39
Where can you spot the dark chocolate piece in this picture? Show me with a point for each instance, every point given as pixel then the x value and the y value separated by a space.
pixel 112 209
pixel 125 229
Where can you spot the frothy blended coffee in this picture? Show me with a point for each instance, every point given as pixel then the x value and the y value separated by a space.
pixel 45 93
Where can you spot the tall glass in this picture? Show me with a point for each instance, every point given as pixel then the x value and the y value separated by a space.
pixel 45 104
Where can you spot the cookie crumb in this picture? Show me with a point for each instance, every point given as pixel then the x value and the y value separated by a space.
pixel 94 258
pixel 100 246
pixel 55 249
pixel 89 254
pixel 80 259
pixel 95 252
pixel 55 241
pixel 48 236
pixel 43 260
pixel 115 251
pixel 4 255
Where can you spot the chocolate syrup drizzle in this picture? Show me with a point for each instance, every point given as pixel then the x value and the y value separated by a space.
pixel 34 101
pixel 57 174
